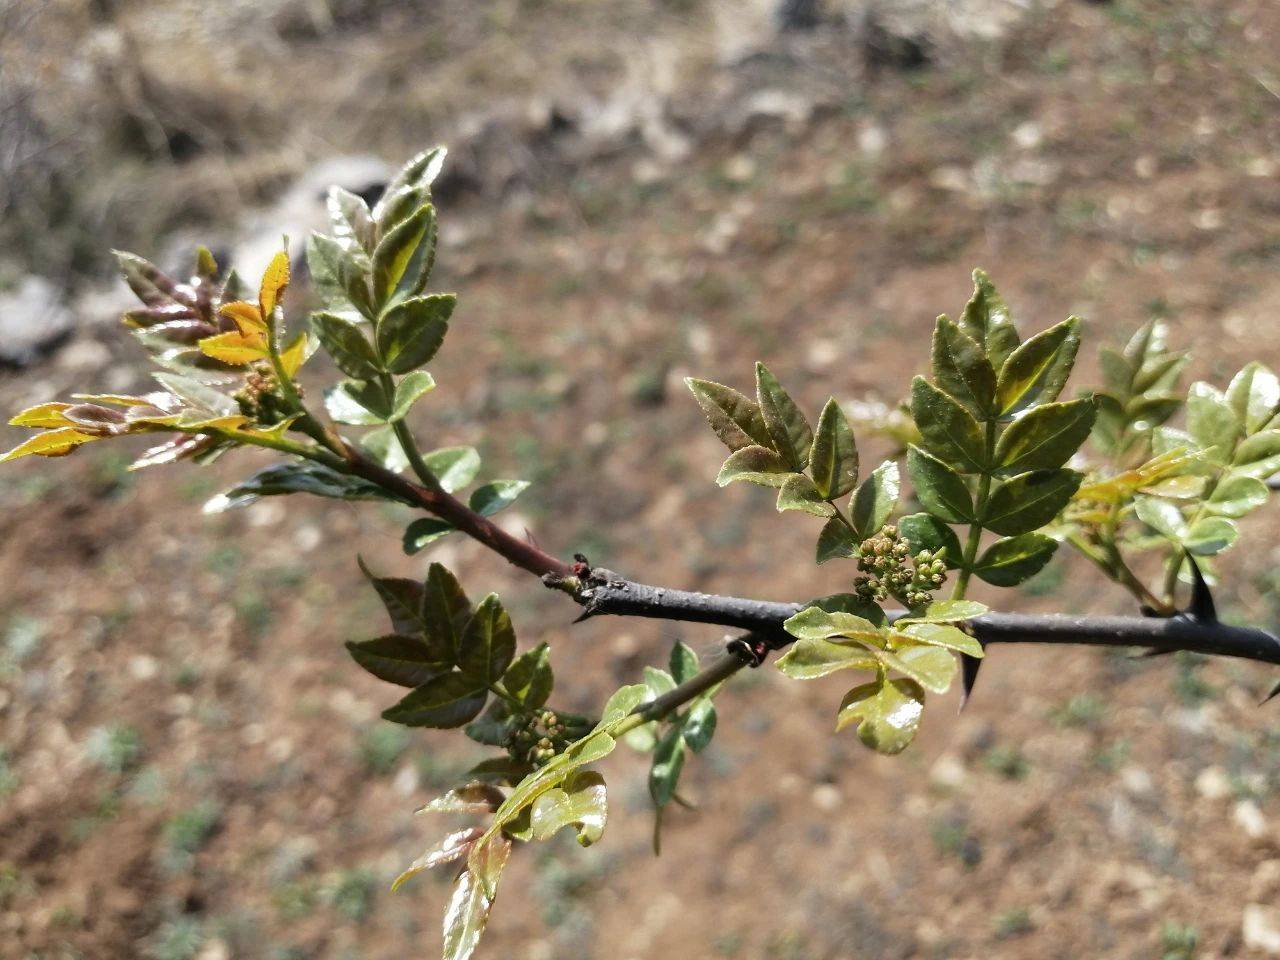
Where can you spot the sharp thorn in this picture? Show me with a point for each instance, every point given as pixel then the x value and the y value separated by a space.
pixel 1272 695
pixel 1202 607
pixel 969 667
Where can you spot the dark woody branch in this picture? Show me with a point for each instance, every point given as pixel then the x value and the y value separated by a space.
pixel 602 592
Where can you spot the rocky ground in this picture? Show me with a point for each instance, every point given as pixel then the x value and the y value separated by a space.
pixel 193 768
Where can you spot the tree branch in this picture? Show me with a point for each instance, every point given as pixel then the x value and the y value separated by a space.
pixel 603 592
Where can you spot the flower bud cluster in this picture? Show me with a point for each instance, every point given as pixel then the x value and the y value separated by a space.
pixel 889 569
pixel 537 737
pixel 259 398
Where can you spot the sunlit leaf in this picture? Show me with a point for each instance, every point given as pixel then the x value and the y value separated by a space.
pixel 1235 495
pixel 446 701
pixel 833 461
pixel 1029 501
pixel 1212 422
pixel 234 347
pixel 835 540
pixel 581 803
pixel 529 678
pixel 402 660
pixel 453 847
pixel 1014 560
pixel 1254 396
pixel 453 467
pixel 43 415
pixel 286 478
pixel 961 368
pixel 683 662
pixel 734 418
pixel 809 659
pixel 468 910
pixel 926 532
pixel 947 429
pixel 403 599
pixel 495 496
pixel 943 635
pixel 1210 535
pixel 488 644
pixel 939 489
pixel 789 430
pixel 1037 371
pixel 933 667
pixel 987 322
pixel 423 532
pixel 1046 437
pixel 274 282
pixel 445 609
pixel 874 500
pixel 346 344
pixel 799 493
pixel 755 464
pixel 887 713
pixel 410 333
pixel 52 443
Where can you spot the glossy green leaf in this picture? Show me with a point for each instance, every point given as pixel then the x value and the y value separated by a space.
pixel 1162 516
pixel 658 682
pixel 359 402
pixel 488 643
pixel 383 446
pixel 835 541
pixel 410 333
pixel 1258 456
pixel 445 701
pixel 948 611
pixel 1037 371
pixel 699 724
pixel 471 901
pixel 926 532
pixel 529 678
pixel 1212 422
pixel 349 219
pixel 453 847
pixel 285 478
pixel 398 249
pixel 940 490
pixel 581 803
pixel 961 368
pixel 809 659
pixel 399 659
pixel 816 623
pixel 799 493
pixel 403 600
pixel 875 499
pixel 943 635
pixel 415 177
pixel 789 430
pixel 409 391
pixel 423 532
pixel 755 464
pixel 833 461
pixel 735 418
pixel 1029 501
pixel 683 663
pixel 931 666
pixel 1254 396
pixel 668 761
pixel 948 430
pixel 1210 535
pixel 1236 494
pixel 623 702
pixel 454 467
pixel 1046 437
pixel 1014 560
pixel 445 609
pixel 887 713
pixel 339 273
pixel 346 344
pixel 987 322
pixel 495 496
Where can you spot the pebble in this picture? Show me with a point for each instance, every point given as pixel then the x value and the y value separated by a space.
pixel 1260 927
pixel 1212 783
pixel 1250 819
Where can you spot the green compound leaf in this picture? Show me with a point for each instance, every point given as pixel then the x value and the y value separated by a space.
pixel 488 644
pixel 961 368
pixel 668 762
pixel 943 635
pixel 402 660
pixel 734 418
pixel 1259 455
pixel 986 321
pixel 755 464
pixel 799 493
pixel 495 496
pixel 1210 536
pixel 339 273
pixel 875 499
pixel 887 713
pixel 1029 501
pixel 835 541
pixel 529 678
pixel 447 701
pixel 809 659
pixel 286 478
pixel 410 333
pixel 423 532
pixel 1162 516
pixel 346 344
pixel 1014 560
pixel 1236 495
pixel 789 430
pixel 699 724
pixel 948 611
pixel 1211 421
pixel 445 609
pixel 833 461
pixel 358 402
pixel 933 667
pixel 454 467
pixel 402 253
pixel 581 803
pixel 1254 396
pixel 940 489
pixel 819 623
pixel 473 892
pixel 683 663
pixel 1037 371
pixel 1046 437
pixel 947 429
pixel 926 532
